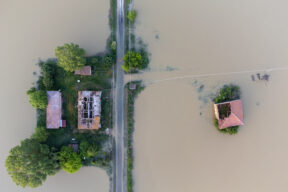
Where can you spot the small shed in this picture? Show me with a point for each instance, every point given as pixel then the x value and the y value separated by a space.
pixel 86 71
pixel 132 86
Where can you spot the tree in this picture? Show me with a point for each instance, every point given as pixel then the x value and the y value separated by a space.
pixel 132 61
pixel 107 61
pixel 70 57
pixel 49 74
pixel 30 163
pixel 41 134
pixel 88 150
pixel 132 15
pixel 38 99
pixel 69 160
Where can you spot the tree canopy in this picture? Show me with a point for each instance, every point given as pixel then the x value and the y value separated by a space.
pixel 132 61
pixel 69 160
pixel 132 15
pixel 38 99
pixel 70 57
pixel 30 163
pixel 41 134
pixel 88 150
pixel 49 70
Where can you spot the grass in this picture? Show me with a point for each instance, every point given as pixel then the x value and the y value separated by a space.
pixel 131 96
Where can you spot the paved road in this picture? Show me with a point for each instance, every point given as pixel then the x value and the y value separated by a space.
pixel 119 101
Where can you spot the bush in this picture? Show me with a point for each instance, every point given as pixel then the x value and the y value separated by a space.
pixel 38 99
pixel 88 150
pixel 228 93
pixel 132 15
pixel 69 160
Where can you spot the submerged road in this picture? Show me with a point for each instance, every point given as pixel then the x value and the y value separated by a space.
pixel 120 174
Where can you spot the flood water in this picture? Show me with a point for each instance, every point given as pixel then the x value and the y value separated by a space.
pixel 31 30
pixel 198 46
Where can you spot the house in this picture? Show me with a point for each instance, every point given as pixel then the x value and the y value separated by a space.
pixel 86 71
pixel 54 111
pixel 89 110
pixel 229 114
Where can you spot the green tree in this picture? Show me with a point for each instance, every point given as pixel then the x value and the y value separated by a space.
pixel 132 61
pixel 41 134
pixel 88 150
pixel 70 57
pixel 38 99
pixel 30 163
pixel 69 160
pixel 49 70
pixel 108 61
pixel 132 15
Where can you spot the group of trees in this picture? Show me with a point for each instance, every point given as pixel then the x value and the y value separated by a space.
pixel 30 163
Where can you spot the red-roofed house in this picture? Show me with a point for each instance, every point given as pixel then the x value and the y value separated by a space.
pixel 235 114
pixel 54 111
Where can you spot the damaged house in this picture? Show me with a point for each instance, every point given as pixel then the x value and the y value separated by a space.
pixel 89 110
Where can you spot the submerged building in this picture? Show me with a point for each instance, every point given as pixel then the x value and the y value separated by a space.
pixel 54 111
pixel 89 110
pixel 229 114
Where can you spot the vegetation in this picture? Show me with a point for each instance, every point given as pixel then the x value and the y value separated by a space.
pixel 69 160
pixel 131 16
pixel 70 57
pixel 88 150
pixel 41 134
pixel 38 99
pixel 131 96
pixel 132 61
pixel 227 93
pixel 30 163
pixel 229 130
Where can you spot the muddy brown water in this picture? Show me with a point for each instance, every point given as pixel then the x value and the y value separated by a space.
pixel 177 147
pixel 30 30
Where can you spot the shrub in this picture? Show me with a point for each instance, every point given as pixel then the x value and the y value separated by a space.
pixel 69 160
pixel 228 93
pixel 132 15
pixel 38 99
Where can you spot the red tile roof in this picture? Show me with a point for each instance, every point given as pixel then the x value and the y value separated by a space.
pixel 53 110
pixel 235 118
pixel 86 70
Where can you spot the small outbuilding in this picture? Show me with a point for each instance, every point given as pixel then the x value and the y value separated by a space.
pixel 229 114
pixel 85 71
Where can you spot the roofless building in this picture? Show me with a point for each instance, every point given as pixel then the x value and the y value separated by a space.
pixel 89 110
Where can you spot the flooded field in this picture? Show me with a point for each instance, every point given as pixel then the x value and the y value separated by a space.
pixel 30 30
pixel 198 46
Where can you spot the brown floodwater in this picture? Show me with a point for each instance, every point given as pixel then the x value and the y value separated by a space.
pixel 198 46
pixel 30 30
